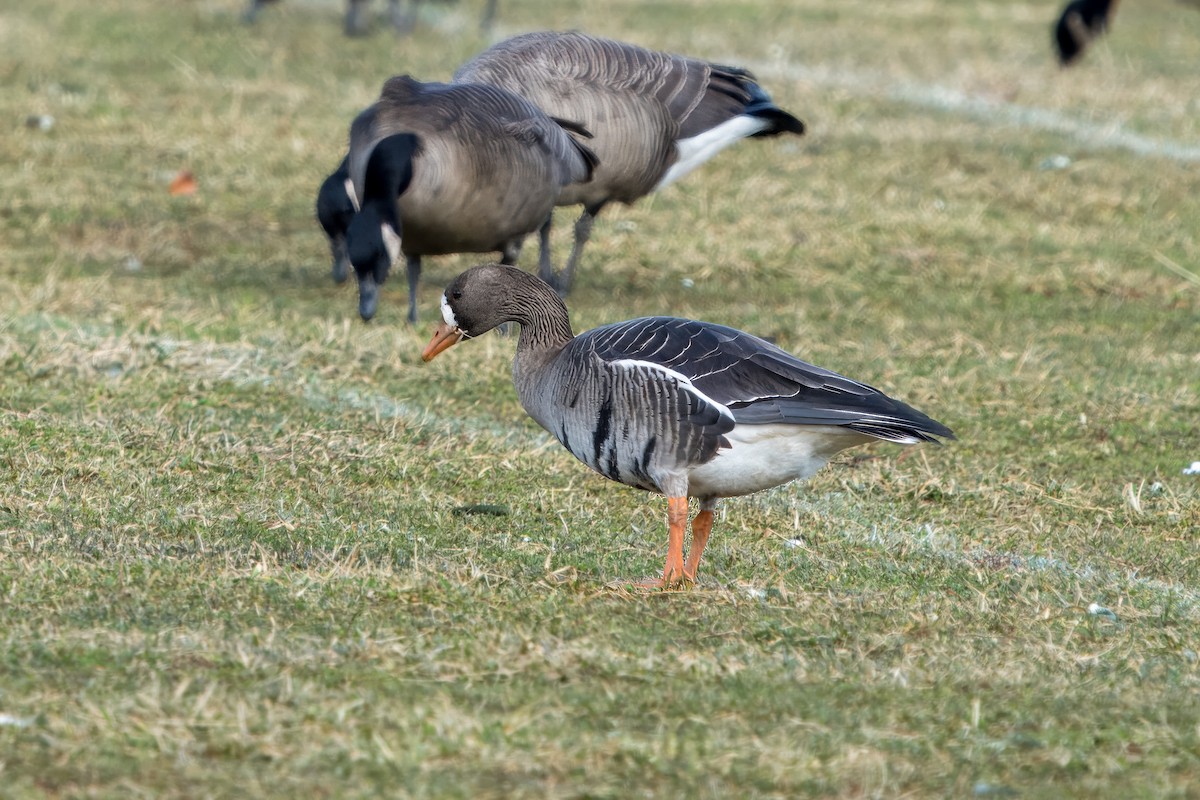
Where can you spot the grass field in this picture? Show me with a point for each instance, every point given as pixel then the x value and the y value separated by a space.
pixel 237 550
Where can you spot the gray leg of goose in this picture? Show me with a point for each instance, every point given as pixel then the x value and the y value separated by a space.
pixel 414 275
pixel 511 252
pixel 341 259
pixel 252 10
pixel 545 268
pixel 356 18
pixel 489 16
pixel 403 23
pixel 583 232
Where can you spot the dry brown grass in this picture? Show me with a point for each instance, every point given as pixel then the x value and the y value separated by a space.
pixel 237 549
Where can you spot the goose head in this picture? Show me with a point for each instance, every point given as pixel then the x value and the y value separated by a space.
pixel 489 295
pixel 373 235
pixel 335 210
pixel 372 245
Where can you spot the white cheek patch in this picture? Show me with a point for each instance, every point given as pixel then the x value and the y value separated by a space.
pixel 448 313
pixel 349 184
pixel 391 240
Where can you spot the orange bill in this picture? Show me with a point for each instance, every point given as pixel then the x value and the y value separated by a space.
pixel 445 337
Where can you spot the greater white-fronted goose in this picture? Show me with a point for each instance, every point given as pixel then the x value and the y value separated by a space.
pixel 654 116
pixel 451 168
pixel 1080 22
pixel 335 209
pixel 685 408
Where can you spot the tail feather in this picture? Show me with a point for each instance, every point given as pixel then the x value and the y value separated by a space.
pixel 761 105
pixel 781 121
pixel 903 433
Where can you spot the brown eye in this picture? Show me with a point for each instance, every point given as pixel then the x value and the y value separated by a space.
pixel 456 294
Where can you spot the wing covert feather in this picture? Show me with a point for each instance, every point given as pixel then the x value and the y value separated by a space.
pixel 759 382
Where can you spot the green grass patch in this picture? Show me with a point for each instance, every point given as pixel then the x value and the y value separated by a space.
pixel 251 546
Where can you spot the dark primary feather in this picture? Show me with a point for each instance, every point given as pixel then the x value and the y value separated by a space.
pixel 761 105
pixel 759 382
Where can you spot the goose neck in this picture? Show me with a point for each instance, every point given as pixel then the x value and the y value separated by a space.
pixel 545 325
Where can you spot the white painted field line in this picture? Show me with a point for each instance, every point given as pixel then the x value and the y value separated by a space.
pixel 943 98
pixel 15 722
pixel 944 545
pixel 419 416
pixel 937 543
pixel 243 364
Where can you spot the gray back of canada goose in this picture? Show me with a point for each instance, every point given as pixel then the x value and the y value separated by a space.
pixel 654 116
pixel 451 168
pixel 685 408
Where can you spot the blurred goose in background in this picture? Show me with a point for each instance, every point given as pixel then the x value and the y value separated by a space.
pixel 335 209
pixel 685 408
pixel 356 15
pixel 1081 21
pixel 439 168
pixel 654 116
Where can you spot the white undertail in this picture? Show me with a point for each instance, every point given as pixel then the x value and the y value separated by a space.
pixel 697 149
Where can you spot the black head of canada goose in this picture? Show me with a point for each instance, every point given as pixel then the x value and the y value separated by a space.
pixel 685 408
pixel 654 116
pixel 335 209
pixel 451 168
pixel 1080 22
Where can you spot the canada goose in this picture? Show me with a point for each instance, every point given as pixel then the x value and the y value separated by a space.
pixel 451 168
pixel 356 15
pixel 654 116
pixel 685 408
pixel 334 211
pixel 1081 21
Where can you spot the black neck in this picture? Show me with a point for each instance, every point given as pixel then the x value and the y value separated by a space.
pixel 388 174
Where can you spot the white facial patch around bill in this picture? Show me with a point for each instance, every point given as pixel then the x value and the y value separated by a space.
pixel 448 313
pixel 353 195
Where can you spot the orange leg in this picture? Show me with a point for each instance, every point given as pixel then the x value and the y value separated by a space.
pixel 701 527
pixel 673 572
